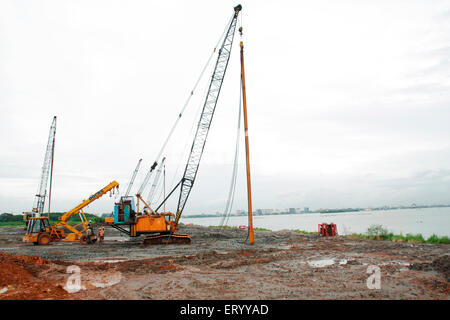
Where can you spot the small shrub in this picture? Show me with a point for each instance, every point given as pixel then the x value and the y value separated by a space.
pixel 304 232
pixel 414 238
pixel 377 231
pixel 262 229
pixel 435 239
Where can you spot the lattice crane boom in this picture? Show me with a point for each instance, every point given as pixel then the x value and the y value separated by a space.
pixel 39 202
pixel 206 117
pixel 151 194
pixel 133 177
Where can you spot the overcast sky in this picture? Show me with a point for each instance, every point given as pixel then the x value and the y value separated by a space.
pixel 348 101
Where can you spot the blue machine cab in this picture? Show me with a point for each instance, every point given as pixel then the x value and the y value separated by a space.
pixel 124 210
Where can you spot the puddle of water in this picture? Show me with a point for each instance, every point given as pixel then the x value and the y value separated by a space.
pixel 107 284
pixel 321 263
pixel 400 263
pixel 342 262
pixel 222 252
pixel 110 260
pixel 120 239
pixel 283 247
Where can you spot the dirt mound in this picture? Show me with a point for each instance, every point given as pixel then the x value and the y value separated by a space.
pixel 34 290
pixel 23 258
pixel 19 279
pixel 12 274
pixel 440 265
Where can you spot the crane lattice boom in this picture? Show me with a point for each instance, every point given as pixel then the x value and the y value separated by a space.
pixel 41 194
pixel 155 182
pixel 132 178
pixel 206 117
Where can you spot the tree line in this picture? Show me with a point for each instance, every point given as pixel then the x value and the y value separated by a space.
pixel 9 217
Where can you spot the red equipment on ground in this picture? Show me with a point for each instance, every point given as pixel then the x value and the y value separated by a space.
pixel 327 230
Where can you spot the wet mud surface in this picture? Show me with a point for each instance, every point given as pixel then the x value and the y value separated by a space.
pixel 220 264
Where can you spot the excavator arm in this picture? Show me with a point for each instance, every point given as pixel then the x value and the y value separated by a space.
pixel 92 198
pixel 77 234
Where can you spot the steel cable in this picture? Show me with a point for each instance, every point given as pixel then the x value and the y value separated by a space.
pixel 230 200
pixel 147 177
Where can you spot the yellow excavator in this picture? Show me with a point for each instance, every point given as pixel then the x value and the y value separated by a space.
pixel 41 232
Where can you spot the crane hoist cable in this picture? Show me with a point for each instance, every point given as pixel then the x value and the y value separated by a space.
pixel 155 183
pixel 155 163
pixel 185 153
pixel 189 137
pixel 204 123
pixel 230 200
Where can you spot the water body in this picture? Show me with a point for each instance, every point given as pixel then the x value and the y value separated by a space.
pixel 425 221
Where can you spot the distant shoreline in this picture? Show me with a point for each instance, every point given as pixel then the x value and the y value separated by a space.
pixel 318 211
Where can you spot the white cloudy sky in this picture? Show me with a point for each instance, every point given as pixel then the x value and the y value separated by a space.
pixel 349 101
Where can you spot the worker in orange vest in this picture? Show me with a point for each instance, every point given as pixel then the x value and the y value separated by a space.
pixel 101 234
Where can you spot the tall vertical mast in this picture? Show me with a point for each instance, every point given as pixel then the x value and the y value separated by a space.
pixel 247 151
pixel 51 172
pixel 38 207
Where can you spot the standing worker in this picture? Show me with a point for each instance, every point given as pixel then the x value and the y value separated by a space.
pixel 101 234
pixel 90 233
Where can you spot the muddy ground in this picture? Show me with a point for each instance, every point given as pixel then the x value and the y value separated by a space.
pixel 220 264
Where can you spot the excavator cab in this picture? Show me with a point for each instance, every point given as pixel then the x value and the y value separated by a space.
pixel 26 218
pixel 124 211
pixel 38 230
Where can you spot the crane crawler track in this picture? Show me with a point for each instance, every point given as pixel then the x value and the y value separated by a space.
pixel 167 239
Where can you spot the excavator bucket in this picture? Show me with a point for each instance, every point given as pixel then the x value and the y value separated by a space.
pixel 167 239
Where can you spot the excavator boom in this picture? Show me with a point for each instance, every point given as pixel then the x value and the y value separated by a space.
pixel 92 198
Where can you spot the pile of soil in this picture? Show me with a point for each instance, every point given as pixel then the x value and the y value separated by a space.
pixel 23 258
pixel 12 274
pixel 19 279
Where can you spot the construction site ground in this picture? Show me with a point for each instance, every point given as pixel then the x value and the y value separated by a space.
pixel 220 264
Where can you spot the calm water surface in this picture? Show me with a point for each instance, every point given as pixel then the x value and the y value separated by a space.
pixel 426 221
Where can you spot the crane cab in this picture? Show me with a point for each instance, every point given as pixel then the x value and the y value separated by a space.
pixel 124 211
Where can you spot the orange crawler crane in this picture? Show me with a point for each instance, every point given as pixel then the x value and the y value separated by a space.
pixel 162 227
pixel 40 232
